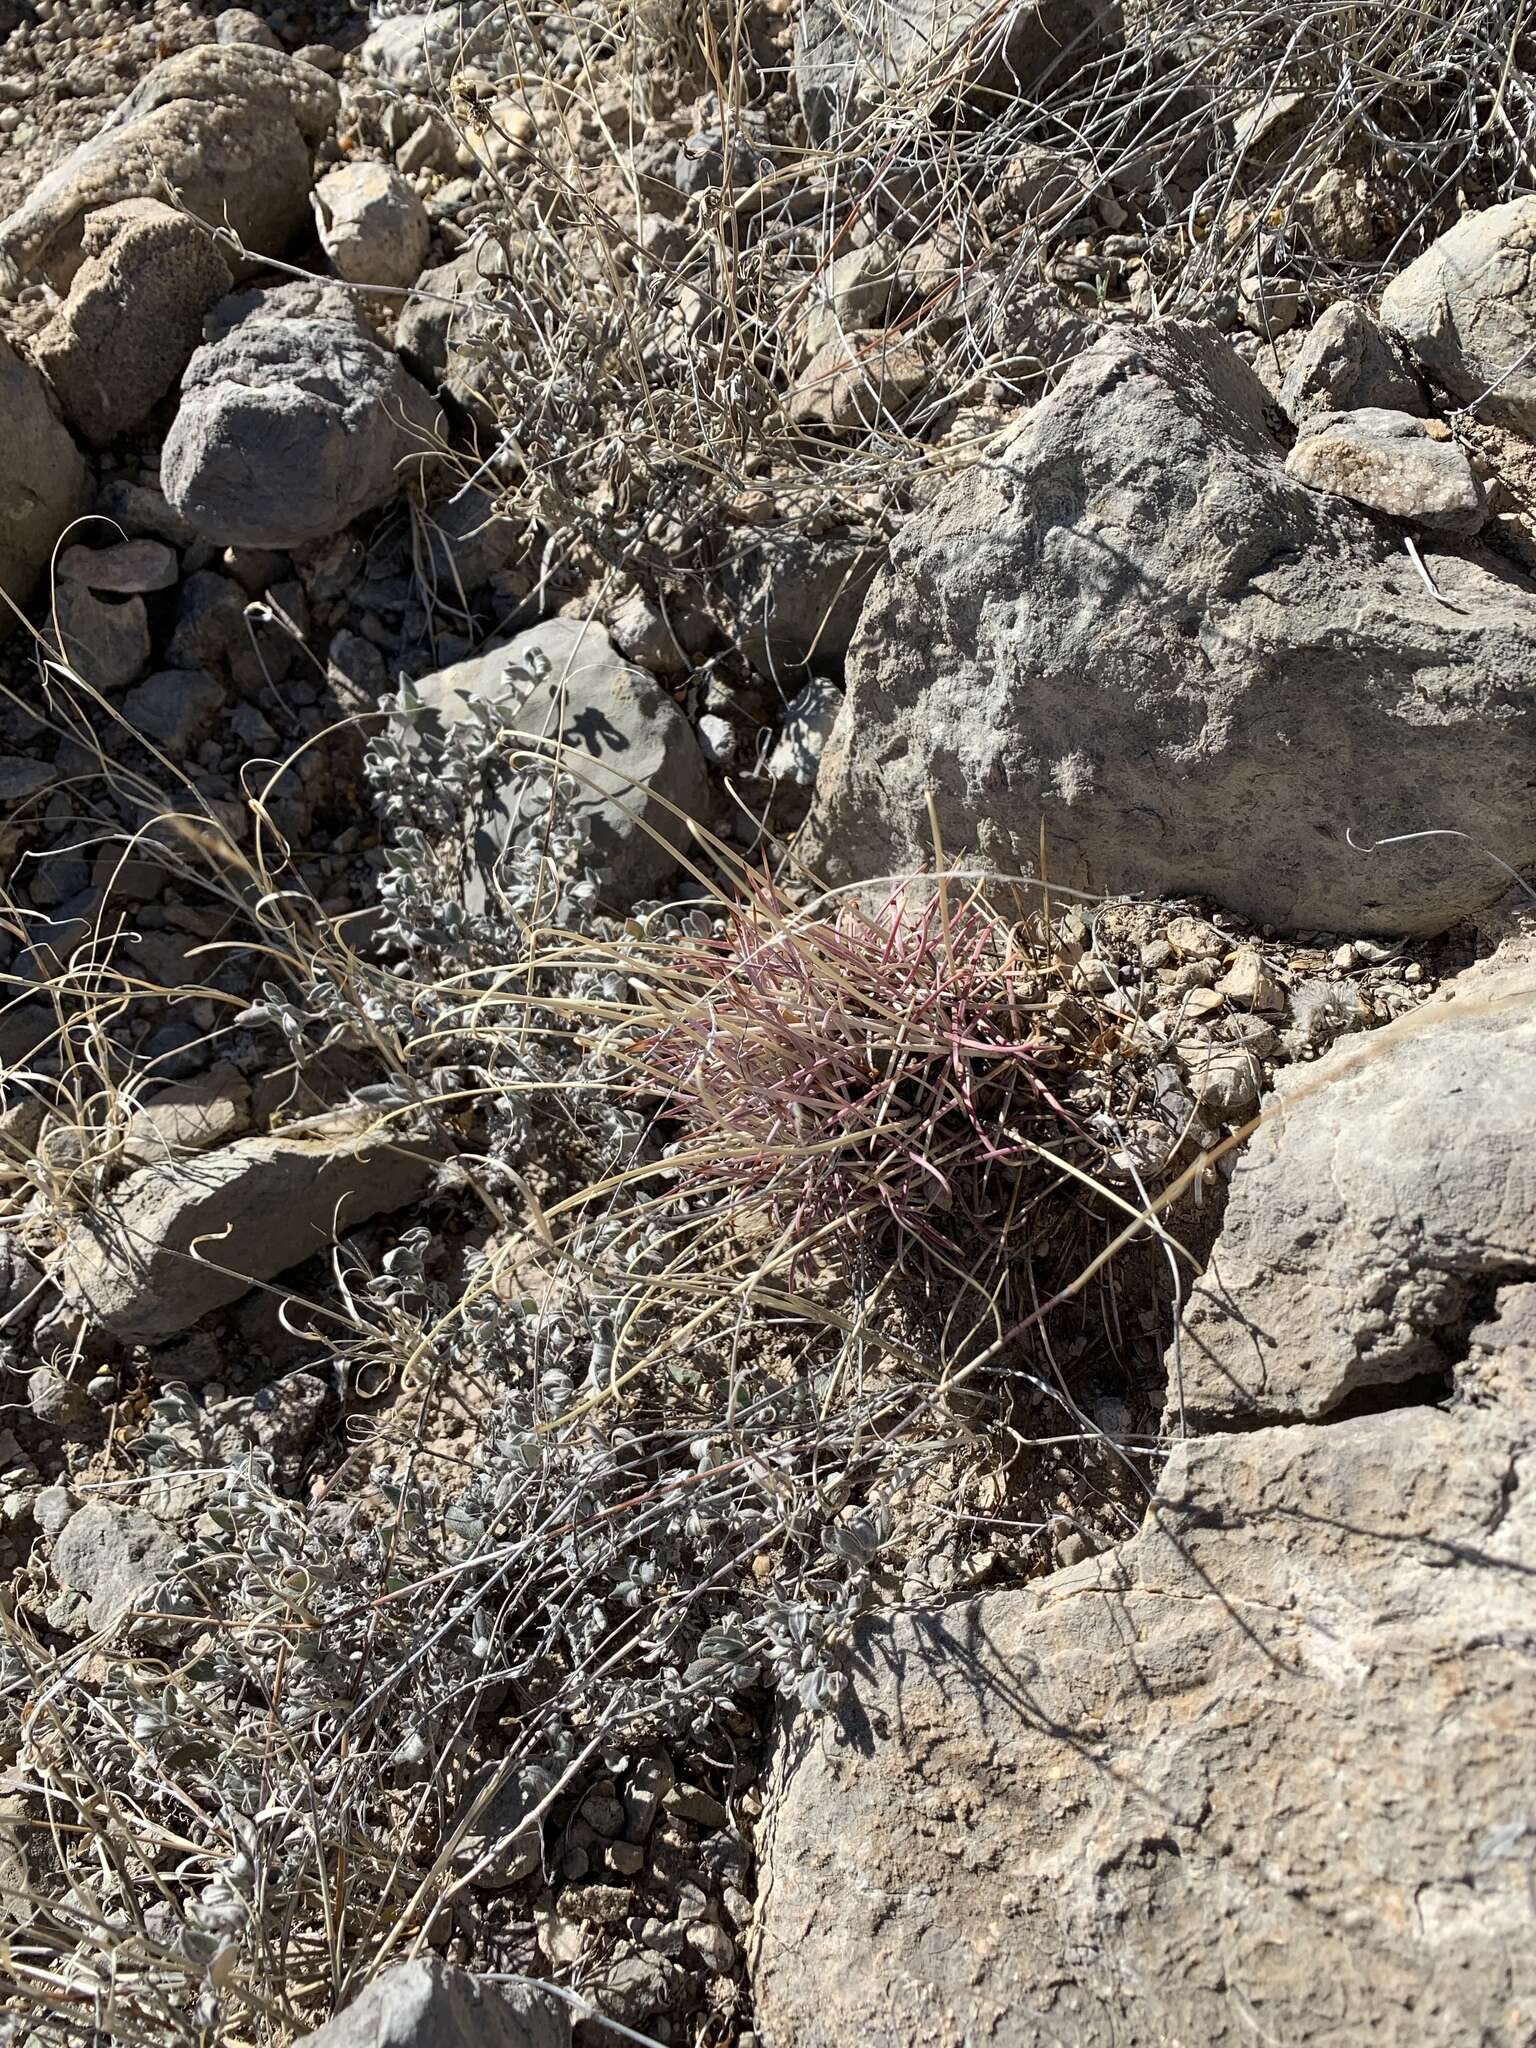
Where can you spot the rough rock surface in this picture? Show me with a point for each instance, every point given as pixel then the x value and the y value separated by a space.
pixel 1347 361
pixel 250 1210
pixel 1391 463
pixel 1392 1189
pixel 796 597
pixel 44 483
pixel 108 1561
pixel 372 225
pixel 621 736
pixel 1467 309
pixel 451 310
pixel 1197 673
pixel 1257 1776
pixel 428 2004
pixel 848 50
pixel 290 429
pixel 230 128
pixel 133 316
pixel 106 644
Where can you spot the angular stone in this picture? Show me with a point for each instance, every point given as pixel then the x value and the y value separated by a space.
pixel 796 597
pixel 858 380
pixel 853 292
pixel 428 2004
pixel 44 483
pixel 1257 1776
pixel 106 645
pixel 848 52
pixel 1389 463
pixel 1196 673
pixel 174 708
pixel 1347 361
pixel 133 316
pixel 291 429
pixel 1393 1184
pixel 372 225
pixel 252 1209
pixel 189 1116
pixel 125 569
pixel 110 1561
pixel 227 130
pixel 1467 309
pixel 629 748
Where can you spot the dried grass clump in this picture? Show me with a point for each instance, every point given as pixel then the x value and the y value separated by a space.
pixel 637 353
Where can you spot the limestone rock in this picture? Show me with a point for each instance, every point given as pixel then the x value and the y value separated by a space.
pixel 178 1240
pixel 1392 463
pixel 291 429
pixel 1344 362
pixel 127 568
pixel 854 291
pixel 628 746
pixel 109 1562
pixel 1198 674
pixel 1467 309
pixel 44 483
pixel 1393 1186
pixel 420 50
pixel 189 1116
pixel 105 644
pixel 133 316
pixel 230 129
pixel 450 309
pixel 1257 1775
pixel 428 2004
pixel 372 225
pixel 796 597
pixel 848 51
pixel 307 298
pixel 808 720
pixel 858 379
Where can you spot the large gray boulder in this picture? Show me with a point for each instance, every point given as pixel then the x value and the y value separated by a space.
pixel 847 52
pixel 230 130
pixel 133 316
pixel 428 2004
pixel 182 1238
pixel 1259 1775
pixel 1467 309
pixel 1136 630
pixel 566 694
pixel 288 430
pixel 1392 1188
pixel 44 483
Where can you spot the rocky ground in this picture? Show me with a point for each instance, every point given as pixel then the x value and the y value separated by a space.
pixel 766 1047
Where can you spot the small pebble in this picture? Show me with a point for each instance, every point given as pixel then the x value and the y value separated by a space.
pixel 713 1946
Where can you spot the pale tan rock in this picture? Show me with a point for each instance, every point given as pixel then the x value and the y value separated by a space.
pixel 372 225
pixel 43 481
pixel 1393 1182
pixel 133 316
pixel 1391 463
pixel 189 1116
pixel 857 380
pixel 1249 982
pixel 1255 1777
pixel 230 131
pixel 179 1240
